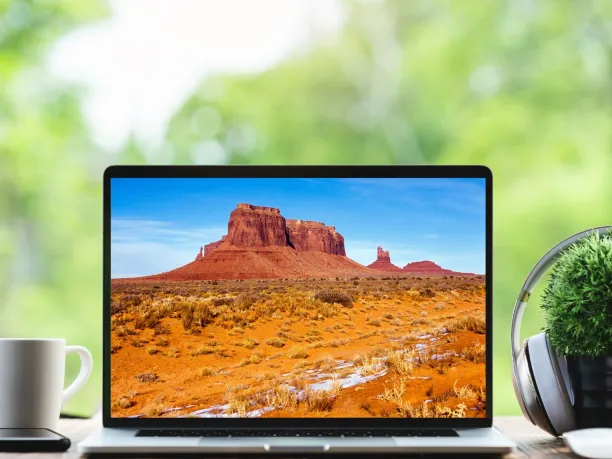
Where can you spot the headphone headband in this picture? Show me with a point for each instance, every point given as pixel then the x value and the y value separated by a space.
pixel 534 277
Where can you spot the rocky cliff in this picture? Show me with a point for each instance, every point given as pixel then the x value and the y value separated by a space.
pixel 259 226
pixel 256 226
pixel 383 262
pixel 261 244
pixel 307 236
pixel 209 248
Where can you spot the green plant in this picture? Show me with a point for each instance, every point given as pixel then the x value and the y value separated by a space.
pixel 578 299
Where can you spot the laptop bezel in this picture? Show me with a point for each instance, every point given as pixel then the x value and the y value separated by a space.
pixel 399 171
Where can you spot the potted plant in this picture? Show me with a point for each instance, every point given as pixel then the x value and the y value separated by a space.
pixel 578 309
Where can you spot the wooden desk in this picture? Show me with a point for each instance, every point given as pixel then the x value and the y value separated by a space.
pixel 531 441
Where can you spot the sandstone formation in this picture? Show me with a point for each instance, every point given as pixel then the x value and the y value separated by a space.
pixel 261 243
pixel 383 262
pixel 307 236
pixel 429 267
pixel 208 248
pixel 256 226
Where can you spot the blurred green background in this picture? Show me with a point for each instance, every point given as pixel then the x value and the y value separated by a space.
pixel 522 86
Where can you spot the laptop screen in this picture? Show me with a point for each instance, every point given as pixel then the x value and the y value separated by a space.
pixel 297 297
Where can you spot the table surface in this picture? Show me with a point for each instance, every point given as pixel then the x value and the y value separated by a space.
pixel 531 442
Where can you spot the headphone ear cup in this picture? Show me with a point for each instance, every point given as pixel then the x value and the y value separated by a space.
pixel 550 385
pixel 526 393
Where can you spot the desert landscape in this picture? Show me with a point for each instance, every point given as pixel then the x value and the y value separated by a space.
pixel 274 320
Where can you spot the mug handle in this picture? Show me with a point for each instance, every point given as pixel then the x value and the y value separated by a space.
pixel 84 372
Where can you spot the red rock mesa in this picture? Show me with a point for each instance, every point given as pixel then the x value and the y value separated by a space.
pixel 261 243
pixel 383 262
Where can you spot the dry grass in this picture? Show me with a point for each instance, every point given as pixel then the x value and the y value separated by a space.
pixel 333 296
pixel 476 353
pixel 276 342
pixel 173 352
pixel 400 361
pixel 283 397
pixel 463 392
pixel 147 377
pixel 207 371
pixel 431 410
pixel 321 400
pixel 153 409
pixel 476 324
pixel 203 350
pixel 298 353
pixel 163 342
pixel 125 402
pixel 253 359
pixel 249 343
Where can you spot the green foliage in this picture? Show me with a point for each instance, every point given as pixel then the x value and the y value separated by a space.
pixel 523 88
pixel 578 300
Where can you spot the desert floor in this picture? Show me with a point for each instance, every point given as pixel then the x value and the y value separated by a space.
pixel 394 346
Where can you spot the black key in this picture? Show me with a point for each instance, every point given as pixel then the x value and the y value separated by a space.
pixel 297 433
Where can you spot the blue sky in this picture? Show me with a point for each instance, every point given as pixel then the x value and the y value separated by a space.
pixel 160 224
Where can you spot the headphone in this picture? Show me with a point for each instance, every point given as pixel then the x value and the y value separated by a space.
pixel 539 376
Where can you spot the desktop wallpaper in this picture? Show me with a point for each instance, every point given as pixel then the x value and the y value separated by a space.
pixel 298 298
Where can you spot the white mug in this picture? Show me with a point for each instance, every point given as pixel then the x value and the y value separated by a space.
pixel 32 381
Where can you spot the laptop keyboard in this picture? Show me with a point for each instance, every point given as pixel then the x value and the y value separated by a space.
pixel 298 433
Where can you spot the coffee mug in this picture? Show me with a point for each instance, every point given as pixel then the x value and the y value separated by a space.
pixel 32 381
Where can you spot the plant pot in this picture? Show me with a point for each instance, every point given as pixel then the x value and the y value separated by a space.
pixel 591 379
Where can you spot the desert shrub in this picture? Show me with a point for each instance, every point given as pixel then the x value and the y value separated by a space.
pixel 187 318
pixel 153 409
pixel 153 351
pixel 221 301
pixel 140 324
pixel 136 343
pixel 160 330
pixel 202 315
pixel 163 342
pixel 276 342
pixel 298 354
pixel 202 350
pixel 125 331
pixel 249 343
pixel 475 353
pixel 253 359
pixel 246 301
pixel 320 400
pixel 115 348
pixel 207 371
pixel 283 397
pixel 173 352
pixel 117 306
pixel 152 321
pixel 400 362
pixel 333 296
pixel 427 293
pixel 125 402
pixel 147 377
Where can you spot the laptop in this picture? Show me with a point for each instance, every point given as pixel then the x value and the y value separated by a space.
pixel 297 310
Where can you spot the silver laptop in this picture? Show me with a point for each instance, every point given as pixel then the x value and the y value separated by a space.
pixel 306 309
